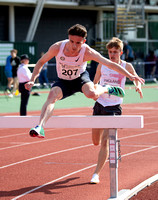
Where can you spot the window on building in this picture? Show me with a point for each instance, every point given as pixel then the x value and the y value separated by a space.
pixel 141 32
pixel 152 26
pixel 108 26
pixel 139 49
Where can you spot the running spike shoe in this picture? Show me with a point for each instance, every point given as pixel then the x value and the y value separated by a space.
pixel 38 131
pixel 115 90
pixel 95 179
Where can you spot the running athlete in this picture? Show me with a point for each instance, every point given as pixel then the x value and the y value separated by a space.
pixel 107 104
pixel 71 62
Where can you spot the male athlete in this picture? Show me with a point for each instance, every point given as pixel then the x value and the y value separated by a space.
pixel 109 105
pixel 71 62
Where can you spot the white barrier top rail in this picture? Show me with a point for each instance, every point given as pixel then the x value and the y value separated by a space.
pixel 75 121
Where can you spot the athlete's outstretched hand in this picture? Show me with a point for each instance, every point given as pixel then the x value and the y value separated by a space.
pixel 137 78
pixel 139 90
pixel 29 85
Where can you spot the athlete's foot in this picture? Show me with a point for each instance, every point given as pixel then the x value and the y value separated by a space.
pixel 38 131
pixel 95 179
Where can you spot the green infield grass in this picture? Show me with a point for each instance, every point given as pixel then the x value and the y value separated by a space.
pixel 8 105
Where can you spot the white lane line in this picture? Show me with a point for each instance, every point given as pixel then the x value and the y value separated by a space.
pixel 12 142
pixel 41 186
pixel 151 123
pixel 142 134
pixel 43 140
pixel 42 156
pixel 5 136
pixel 12 164
pixel 139 108
pixel 75 172
pixel 134 152
pixel 135 145
pixel 151 117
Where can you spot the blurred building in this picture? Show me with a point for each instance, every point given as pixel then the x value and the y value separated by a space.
pixel 44 22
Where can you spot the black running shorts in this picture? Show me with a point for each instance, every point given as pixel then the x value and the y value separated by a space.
pixel 98 109
pixel 69 87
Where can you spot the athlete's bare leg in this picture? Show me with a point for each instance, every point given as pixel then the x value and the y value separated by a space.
pixel 10 81
pixel 100 136
pixel 93 92
pixel 15 84
pixel 104 149
pixel 97 135
pixel 47 109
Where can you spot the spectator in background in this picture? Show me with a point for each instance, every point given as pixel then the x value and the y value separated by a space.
pixel 15 61
pixel 24 76
pixel 9 75
pixel 150 66
pixel 128 52
pixel 43 75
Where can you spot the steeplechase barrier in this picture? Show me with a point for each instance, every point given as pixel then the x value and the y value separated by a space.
pixel 82 121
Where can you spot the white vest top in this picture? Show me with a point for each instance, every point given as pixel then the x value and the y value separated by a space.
pixel 111 77
pixel 70 68
pixel 23 73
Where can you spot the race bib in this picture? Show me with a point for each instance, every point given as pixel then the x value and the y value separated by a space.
pixel 68 72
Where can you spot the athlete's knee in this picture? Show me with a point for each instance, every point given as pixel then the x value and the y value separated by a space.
pixel 54 95
pixel 96 143
pixel 96 140
pixel 91 95
pixel 89 90
pixel 96 136
pixel 52 100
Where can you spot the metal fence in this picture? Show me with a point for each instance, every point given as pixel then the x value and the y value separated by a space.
pixel 144 69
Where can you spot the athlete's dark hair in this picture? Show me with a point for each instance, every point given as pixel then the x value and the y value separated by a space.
pixel 78 30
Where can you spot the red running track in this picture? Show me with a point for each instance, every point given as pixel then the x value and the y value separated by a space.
pixel 60 166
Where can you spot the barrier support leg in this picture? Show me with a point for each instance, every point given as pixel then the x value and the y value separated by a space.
pixel 113 163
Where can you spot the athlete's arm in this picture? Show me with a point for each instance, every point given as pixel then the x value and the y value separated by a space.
pixel 91 54
pixel 97 74
pixel 52 52
pixel 130 69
